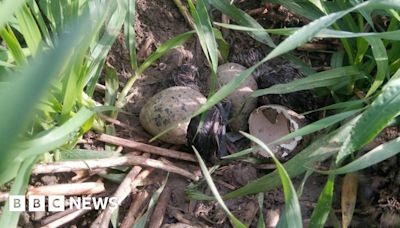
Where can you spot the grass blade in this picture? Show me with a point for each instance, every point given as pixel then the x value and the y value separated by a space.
pixel 382 62
pixel 103 45
pixel 317 125
pixel 300 188
pixel 223 46
pixel 40 21
pixel 47 142
pixel 142 221
pixel 13 45
pixel 235 222
pixel 303 8
pixel 292 213
pixel 112 85
pixel 164 48
pixel 205 32
pixel 29 29
pixel 240 153
pixel 10 218
pixel 375 118
pixel 130 33
pixel 260 199
pixel 324 205
pixel 317 80
pixel 81 154
pixel 56 137
pixel 323 33
pixel 243 19
pixel 347 105
pixel 7 9
pixel 376 155
pixel 310 30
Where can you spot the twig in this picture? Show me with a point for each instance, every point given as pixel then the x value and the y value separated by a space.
pixel 313 47
pixel 138 179
pixel 254 12
pixel 182 218
pixel 122 192
pixel 145 50
pixel 266 166
pixel 67 218
pixel 68 189
pixel 140 199
pixel 82 141
pixel 100 88
pixel 225 19
pixel 57 216
pixel 226 185
pixel 142 135
pixel 146 148
pixel 115 121
pixel 69 166
pixel 141 177
pixel 185 13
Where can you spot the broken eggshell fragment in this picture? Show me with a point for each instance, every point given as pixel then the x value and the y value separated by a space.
pixel 270 123
pixel 242 103
pixel 168 107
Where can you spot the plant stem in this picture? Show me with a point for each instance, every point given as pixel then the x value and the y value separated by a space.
pixel 185 13
pixel 122 98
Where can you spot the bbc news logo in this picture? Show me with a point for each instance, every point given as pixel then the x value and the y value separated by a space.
pixel 58 203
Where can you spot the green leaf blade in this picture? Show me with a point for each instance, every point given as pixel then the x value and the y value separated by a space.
pixel 243 19
pixel 317 80
pixel 375 118
pixel 292 213
pixel 324 204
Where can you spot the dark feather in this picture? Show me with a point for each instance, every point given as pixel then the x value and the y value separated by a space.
pixel 185 75
pixel 209 138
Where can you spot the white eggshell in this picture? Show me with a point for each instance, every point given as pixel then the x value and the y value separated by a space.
pixel 271 122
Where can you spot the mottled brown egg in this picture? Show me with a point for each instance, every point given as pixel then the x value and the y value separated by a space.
pixel 242 103
pixel 171 106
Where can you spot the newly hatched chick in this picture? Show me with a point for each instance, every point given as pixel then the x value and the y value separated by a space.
pixel 206 132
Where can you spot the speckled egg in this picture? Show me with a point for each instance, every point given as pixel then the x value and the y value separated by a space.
pixel 241 96
pixel 169 107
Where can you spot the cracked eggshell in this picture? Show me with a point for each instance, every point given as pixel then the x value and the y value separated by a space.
pixel 168 107
pixel 226 73
pixel 271 122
